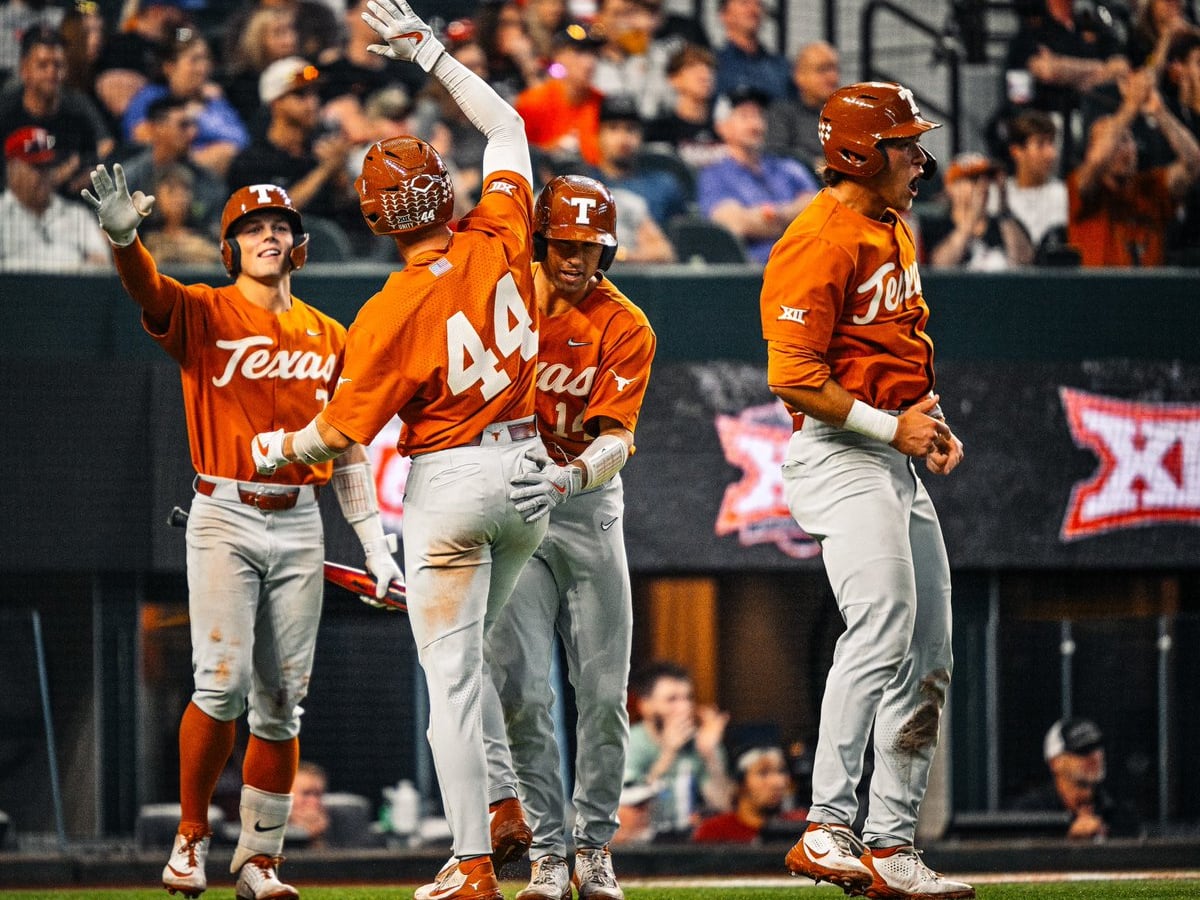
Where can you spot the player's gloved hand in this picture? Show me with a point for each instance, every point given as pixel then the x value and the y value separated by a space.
pixel 536 493
pixel 267 449
pixel 406 36
pixel 119 213
pixel 382 565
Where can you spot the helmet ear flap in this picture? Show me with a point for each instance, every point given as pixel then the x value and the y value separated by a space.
pixel 539 247
pixel 299 253
pixel 231 255
pixel 607 255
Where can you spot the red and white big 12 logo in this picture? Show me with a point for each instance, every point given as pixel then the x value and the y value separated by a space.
pixel 1149 464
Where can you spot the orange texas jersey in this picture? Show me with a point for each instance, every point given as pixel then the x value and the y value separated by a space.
pixel 244 370
pixel 842 297
pixel 593 360
pixel 450 342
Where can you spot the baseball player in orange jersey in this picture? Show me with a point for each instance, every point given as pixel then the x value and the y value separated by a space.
pixel 252 357
pixel 844 319
pixel 450 345
pixel 594 354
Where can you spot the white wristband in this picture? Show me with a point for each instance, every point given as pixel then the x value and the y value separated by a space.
pixel 872 422
pixel 603 458
pixel 308 446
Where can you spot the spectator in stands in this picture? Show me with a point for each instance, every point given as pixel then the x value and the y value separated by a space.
pixel 1181 93
pixel 645 197
pixel 1074 752
pixel 972 237
pixel 1036 196
pixel 543 19
pixel 309 818
pixel 762 797
pixel 18 17
pixel 1055 57
pixel 675 753
pixel 131 56
pixel 751 193
pixel 41 99
pixel 515 62
pixel 294 154
pixel 1156 24
pixel 688 127
pixel 172 127
pixel 39 230
pixel 562 114
pixel 620 166
pixel 792 121
pixel 185 71
pixel 84 36
pixel 350 74
pixel 170 233
pixel 632 62
pixel 1118 214
pixel 743 62
pixel 269 34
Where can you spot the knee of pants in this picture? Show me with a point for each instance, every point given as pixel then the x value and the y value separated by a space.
pixel 221 691
pixel 275 715
pixel 602 698
pixel 273 728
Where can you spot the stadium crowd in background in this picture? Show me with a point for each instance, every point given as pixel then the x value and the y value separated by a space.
pixel 1064 70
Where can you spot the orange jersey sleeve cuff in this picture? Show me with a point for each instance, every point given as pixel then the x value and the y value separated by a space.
pixel 794 365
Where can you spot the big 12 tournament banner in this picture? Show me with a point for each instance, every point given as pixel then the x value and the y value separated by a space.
pixel 1092 464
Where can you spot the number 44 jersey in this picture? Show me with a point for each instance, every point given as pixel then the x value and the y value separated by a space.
pixel 450 342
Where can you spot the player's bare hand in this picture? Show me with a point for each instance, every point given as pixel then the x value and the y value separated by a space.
pixel 946 457
pixel 119 213
pixel 405 35
pixel 711 730
pixel 266 448
pixel 1087 824
pixel 382 565
pixel 920 429
pixel 677 730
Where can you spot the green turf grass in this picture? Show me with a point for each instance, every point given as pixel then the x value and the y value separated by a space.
pixel 803 890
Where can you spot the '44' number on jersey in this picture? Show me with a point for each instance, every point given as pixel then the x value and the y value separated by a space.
pixel 472 361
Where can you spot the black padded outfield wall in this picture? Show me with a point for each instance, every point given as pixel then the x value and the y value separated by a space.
pixel 1088 465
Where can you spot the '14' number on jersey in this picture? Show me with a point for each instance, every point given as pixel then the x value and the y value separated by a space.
pixel 514 330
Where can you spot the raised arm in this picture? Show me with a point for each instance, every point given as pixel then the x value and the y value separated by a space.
pixel 407 37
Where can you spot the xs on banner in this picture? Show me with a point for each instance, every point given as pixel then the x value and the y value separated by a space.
pixel 1149 464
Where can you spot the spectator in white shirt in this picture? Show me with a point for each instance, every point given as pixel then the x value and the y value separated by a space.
pixel 39 230
pixel 1037 198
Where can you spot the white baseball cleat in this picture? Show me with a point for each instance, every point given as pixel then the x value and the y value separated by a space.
pixel 898 873
pixel 594 878
pixel 184 871
pixel 551 880
pixel 259 880
pixel 831 852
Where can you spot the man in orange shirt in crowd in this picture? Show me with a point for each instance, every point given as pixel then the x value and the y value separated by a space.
pixel 847 352
pixel 562 114
pixel 1118 215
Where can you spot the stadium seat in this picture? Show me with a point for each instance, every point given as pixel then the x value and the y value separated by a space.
pixel 695 237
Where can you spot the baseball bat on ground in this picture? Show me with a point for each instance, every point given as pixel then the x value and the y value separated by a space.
pixel 357 581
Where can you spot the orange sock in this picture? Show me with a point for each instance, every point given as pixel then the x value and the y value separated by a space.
pixel 271 765
pixel 204 747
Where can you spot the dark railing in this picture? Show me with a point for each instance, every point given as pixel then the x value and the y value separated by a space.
pixel 945 50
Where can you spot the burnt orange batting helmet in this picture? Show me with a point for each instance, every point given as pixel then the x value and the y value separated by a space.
pixel 404 186
pixel 857 117
pixel 252 198
pixel 576 208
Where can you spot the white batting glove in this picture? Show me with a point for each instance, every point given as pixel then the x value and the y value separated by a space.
pixel 536 493
pixel 382 565
pixel 119 213
pixel 407 37
pixel 267 450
